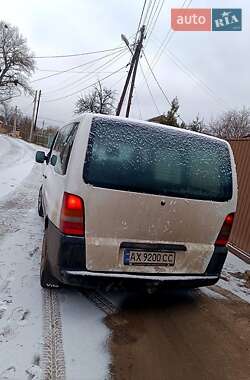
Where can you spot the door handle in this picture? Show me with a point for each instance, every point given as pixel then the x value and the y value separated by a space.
pixel 44 176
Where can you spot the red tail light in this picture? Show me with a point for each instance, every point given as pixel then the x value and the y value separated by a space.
pixel 72 215
pixel 223 236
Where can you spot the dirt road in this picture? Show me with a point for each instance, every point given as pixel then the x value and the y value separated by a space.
pixel 182 335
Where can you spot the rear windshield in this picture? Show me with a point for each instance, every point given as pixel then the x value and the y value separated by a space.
pixel 126 155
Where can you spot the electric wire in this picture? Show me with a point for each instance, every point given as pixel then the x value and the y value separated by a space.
pixel 193 76
pixel 167 39
pixel 146 14
pixel 150 15
pixel 181 65
pixel 87 76
pixel 76 55
pixel 118 81
pixel 49 119
pixel 154 23
pixel 149 90
pixel 138 104
pixel 159 85
pixel 153 15
pixel 44 118
pixel 85 88
pixel 72 72
pixel 140 20
pixel 156 80
pixel 74 67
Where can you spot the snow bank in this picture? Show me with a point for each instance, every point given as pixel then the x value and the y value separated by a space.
pixel 229 279
pixel 16 161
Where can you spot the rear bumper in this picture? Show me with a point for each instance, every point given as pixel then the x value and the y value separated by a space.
pixel 132 281
pixel 66 256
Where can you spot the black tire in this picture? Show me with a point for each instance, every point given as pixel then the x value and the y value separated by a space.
pixel 40 203
pixel 47 280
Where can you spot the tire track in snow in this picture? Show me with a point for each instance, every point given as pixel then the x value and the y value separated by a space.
pixel 101 302
pixel 53 361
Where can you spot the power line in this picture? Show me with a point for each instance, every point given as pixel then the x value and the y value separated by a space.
pixel 27 106
pixel 150 14
pixel 138 104
pixel 156 80
pixel 119 80
pixel 184 68
pixel 139 24
pixel 85 88
pixel 74 67
pixel 153 15
pixel 167 39
pixel 146 14
pixel 73 72
pixel 45 118
pixel 108 63
pixel 155 21
pixel 49 119
pixel 76 55
pixel 149 90
pixel 160 87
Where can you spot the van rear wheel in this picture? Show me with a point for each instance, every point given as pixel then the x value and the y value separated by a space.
pixel 47 280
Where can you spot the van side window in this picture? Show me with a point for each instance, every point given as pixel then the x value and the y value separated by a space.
pixel 63 145
pixel 51 147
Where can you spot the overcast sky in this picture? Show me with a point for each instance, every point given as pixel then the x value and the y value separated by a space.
pixel 207 71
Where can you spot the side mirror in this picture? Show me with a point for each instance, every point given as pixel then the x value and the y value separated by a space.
pixel 53 160
pixel 40 157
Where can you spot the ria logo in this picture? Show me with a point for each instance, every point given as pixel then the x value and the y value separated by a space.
pixel 226 20
pixel 206 19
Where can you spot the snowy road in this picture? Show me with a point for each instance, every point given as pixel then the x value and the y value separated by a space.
pixel 16 161
pixel 63 334
pixel 23 318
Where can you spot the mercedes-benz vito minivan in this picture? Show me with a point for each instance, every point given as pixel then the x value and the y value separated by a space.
pixel 136 202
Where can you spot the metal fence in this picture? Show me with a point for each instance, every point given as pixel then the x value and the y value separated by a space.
pixel 43 138
pixel 240 236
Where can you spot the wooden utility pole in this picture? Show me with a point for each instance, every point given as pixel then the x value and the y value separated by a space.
pixel 14 124
pixel 137 53
pixel 33 117
pixel 132 70
pixel 119 107
pixel 37 108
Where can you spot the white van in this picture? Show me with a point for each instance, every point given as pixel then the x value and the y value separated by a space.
pixel 135 202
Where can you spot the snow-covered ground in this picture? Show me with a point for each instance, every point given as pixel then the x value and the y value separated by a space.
pixel 16 162
pixel 21 298
pixel 229 277
pixel 23 310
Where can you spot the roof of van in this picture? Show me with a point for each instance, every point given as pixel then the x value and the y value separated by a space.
pixel 148 123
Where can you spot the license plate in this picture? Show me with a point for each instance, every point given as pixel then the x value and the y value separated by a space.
pixel 133 257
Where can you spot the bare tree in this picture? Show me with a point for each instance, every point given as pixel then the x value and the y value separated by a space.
pixel 16 63
pixel 9 113
pixel 231 124
pixel 6 111
pixel 100 100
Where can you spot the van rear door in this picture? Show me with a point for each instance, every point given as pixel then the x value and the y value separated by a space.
pixel 155 197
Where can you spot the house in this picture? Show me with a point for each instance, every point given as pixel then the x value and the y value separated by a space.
pixel 2 127
pixel 162 119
